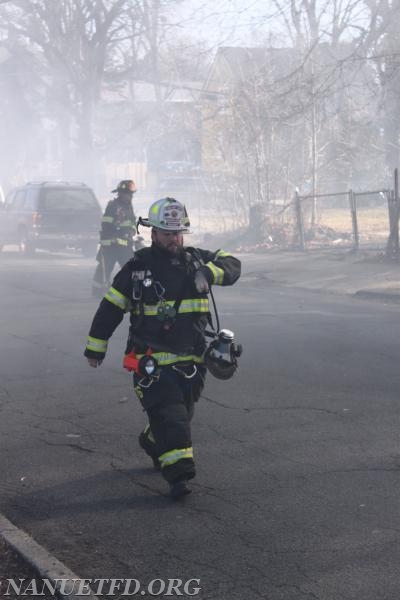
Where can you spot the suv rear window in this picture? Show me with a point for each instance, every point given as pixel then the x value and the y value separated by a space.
pixel 68 200
pixel 17 200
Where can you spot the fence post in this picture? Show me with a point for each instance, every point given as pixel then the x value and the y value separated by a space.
pixel 353 209
pixel 396 214
pixel 392 248
pixel 299 219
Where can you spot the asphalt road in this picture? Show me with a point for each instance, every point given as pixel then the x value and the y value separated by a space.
pixel 298 486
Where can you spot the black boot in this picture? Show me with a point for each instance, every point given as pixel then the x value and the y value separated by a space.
pixel 179 489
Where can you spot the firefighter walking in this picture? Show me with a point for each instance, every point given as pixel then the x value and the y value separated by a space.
pixel 165 288
pixel 118 228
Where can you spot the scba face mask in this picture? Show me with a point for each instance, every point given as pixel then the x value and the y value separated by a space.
pixel 221 355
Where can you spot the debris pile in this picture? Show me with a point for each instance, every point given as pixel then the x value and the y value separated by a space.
pixel 276 236
pixel 321 235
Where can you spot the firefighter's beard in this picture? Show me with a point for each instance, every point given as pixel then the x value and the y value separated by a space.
pixel 172 246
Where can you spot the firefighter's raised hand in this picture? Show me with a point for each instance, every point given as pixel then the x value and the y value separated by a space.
pixel 94 362
pixel 202 279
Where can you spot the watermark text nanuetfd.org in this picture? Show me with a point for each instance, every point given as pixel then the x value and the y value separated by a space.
pixel 103 587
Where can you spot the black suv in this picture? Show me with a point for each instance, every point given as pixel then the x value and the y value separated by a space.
pixel 51 215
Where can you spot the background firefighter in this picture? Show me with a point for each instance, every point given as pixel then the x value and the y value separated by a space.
pixel 118 227
pixel 165 288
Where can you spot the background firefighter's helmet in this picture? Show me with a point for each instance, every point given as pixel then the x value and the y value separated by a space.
pixel 126 185
pixel 167 214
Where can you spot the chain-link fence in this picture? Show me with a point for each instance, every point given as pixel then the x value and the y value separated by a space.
pixel 344 219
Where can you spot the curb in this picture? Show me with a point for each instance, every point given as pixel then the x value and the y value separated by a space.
pixel 39 558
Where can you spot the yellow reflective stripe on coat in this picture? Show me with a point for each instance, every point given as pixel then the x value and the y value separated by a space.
pixel 172 457
pixel 191 305
pixel 119 241
pixel 115 297
pixel 107 219
pixel 194 305
pixel 96 345
pixel 169 358
pixel 217 272
pixel 221 254
pixel 127 223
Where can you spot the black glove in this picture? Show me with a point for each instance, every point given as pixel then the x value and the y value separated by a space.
pixel 203 278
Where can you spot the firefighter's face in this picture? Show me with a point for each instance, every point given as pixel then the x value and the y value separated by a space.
pixel 132 187
pixel 170 241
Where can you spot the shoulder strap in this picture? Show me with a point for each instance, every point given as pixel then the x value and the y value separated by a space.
pixel 138 270
pixel 194 252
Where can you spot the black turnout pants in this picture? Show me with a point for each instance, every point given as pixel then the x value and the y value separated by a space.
pixel 169 404
pixel 108 257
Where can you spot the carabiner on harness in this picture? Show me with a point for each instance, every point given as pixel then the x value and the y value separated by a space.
pixel 139 279
pixel 146 382
pixel 181 371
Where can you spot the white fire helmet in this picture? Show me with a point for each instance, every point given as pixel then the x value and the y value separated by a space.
pixel 167 214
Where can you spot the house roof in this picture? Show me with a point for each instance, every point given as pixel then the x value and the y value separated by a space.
pixel 234 66
pixel 237 64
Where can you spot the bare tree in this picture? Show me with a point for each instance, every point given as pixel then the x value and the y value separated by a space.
pixel 300 114
pixel 82 49
pixel 74 42
pixel 379 44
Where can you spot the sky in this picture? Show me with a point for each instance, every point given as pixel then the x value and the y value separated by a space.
pixel 226 22
pixel 251 22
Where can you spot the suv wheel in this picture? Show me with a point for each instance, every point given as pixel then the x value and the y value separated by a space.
pixel 26 248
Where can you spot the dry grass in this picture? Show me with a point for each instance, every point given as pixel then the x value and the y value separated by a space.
pixel 372 220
